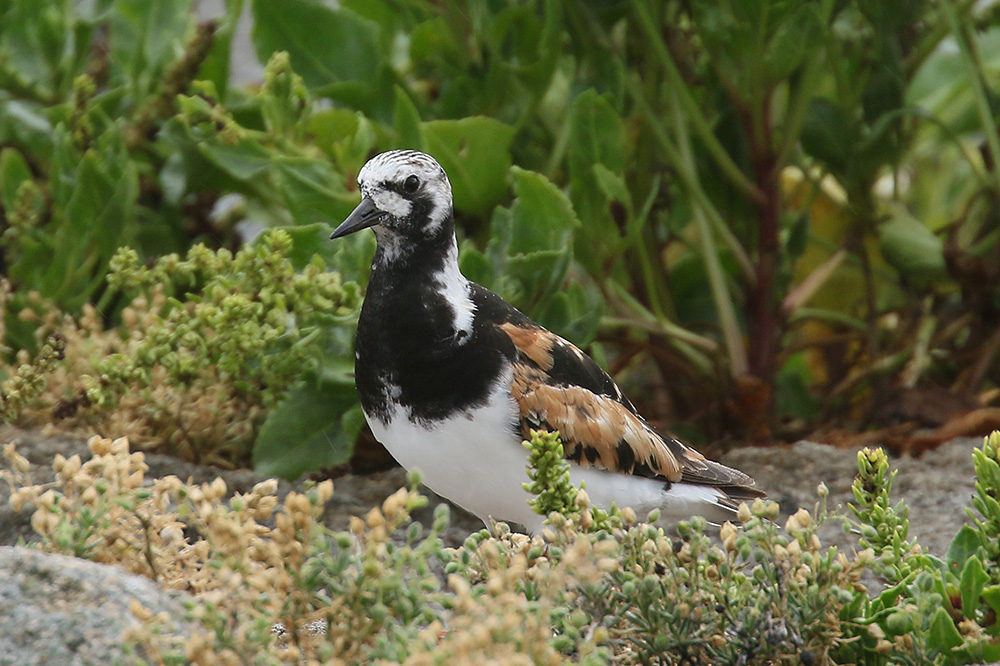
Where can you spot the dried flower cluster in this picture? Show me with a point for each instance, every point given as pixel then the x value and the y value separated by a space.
pixel 270 585
pixel 242 557
pixel 27 382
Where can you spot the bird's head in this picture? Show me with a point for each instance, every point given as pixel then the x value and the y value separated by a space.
pixel 405 194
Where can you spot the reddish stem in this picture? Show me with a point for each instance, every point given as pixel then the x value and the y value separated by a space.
pixel 762 311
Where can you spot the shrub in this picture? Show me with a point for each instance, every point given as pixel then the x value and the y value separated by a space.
pixel 271 585
pixel 684 182
pixel 208 344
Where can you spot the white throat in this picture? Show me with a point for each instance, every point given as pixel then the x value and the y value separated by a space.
pixel 455 288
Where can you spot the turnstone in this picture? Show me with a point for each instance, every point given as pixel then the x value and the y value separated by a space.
pixel 451 377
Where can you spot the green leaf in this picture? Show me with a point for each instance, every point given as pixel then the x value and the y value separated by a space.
pixel 827 133
pixel 311 191
pixel 543 216
pixel 475 152
pixel 797 35
pixel 964 547
pixel 385 15
pixel 942 633
pixel 309 240
pixel 532 242
pixel 889 596
pixel 912 248
pixel 25 125
pixel 433 44
pixel 613 186
pixel 406 122
pixel 987 475
pixel 24 44
pixel 243 161
pixel 13 171
pixel 476 266
pixel 217 64
pixel 991 595
pixel 314 427
pixel 326 45
pixel 984 652
pixel 146 36
pixel 332 125
pixel 597 137
pixel 973 580
pixel 574 313
pixel 91 223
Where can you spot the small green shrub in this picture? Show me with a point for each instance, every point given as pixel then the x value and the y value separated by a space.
pixel 932 610
pixel 209 346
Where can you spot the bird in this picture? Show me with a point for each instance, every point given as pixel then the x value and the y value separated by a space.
pixel 452 378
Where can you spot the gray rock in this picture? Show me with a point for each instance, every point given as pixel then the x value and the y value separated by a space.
pixel 67 611
pixel 936 486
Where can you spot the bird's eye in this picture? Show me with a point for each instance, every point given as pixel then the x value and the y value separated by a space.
pixel 411 184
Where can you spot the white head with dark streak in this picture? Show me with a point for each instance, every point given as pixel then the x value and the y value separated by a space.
pixel 405 197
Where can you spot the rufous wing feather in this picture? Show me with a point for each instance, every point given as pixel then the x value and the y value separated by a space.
pixel 558 387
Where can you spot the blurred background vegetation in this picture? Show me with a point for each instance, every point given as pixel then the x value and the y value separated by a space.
pixel 766 218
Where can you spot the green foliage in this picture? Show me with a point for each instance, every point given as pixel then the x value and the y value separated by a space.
pixel 986 518
pixel 550 485
pixel 931 611
pixel 246 325
pixel 82 196
pixel 693 140
pixel 555 497
pixel 763 594
pixel 883 528
pixel 314 426
pixel 702 186
pixel 26 383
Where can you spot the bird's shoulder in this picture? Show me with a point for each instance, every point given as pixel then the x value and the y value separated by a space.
pixel 559 387
pixel 563 362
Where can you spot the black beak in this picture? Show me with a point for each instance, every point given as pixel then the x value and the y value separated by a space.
pixel 364 216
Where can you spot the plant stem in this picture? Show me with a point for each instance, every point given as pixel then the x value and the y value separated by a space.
pixel 921 347
pixel 929 42
pixel 710 255
pixel 639 238
pixel 689 344
pixel 812 283
pixel 762 311
pixel 690 181
pixel 831 316
pixel 804 90
pixel 694 114
pixel 970 56
pixel 664 328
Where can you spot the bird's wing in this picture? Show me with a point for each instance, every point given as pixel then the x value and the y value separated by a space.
pixel 558 387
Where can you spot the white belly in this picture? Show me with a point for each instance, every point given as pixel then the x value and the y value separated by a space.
pixel 476 460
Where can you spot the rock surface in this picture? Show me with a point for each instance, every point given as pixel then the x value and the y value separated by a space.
pixel 67 611
pixel 937 486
